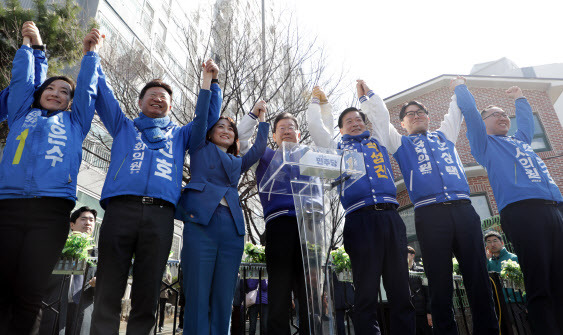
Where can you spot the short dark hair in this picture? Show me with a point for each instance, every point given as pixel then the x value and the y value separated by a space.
pixel 411 250
pixel 285 115
pixel 76 214
pixel 493 233
pixel 348 110
pixel 410 103
pixel 233 148
pixel 46 83
pixel 155 83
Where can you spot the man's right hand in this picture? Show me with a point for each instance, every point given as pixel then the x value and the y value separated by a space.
pixel 259 110
pixel 488 253
pixel 360 88
pixel 515 92
pixel 30 34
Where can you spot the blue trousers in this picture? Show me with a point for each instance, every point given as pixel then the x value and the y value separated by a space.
pixel 211 257
pixel 444 230
pixel 536 232
pixel 376 242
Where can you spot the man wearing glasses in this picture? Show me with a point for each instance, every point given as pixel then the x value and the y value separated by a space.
pixel 446 222
pixel 528 200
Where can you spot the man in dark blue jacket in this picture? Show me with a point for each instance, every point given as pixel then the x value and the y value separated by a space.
pixel 374 234
pixel 140 193
pixel 528 199
pixel 446 222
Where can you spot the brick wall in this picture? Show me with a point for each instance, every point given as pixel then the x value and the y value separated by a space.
pixel 437 103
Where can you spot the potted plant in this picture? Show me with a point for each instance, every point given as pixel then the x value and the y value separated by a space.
pixel 342 264
pixel 512 273
pixel 74 256
pixel 256 256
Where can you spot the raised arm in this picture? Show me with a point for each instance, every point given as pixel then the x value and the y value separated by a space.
pixel 257 150
pixel 452 120
pixel 86 92
pixel 199 124
pixel 216 100
pixel 318 115
pixel 247 124
pixel 524 115
pixel 378 114
pixel 476 130
pixel 22 85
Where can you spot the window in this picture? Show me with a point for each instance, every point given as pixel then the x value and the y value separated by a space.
pixel 539 142
pixel 481 204
pixel 146 18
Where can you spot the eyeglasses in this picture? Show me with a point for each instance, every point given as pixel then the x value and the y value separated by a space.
pixel 284 129
pixel 497 115
pixel 420 112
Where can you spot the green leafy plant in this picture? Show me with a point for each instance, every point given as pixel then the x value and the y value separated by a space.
pixel 511 271
pixel 77 246
pixel 341 260
pixel 455 264
pixel 254 253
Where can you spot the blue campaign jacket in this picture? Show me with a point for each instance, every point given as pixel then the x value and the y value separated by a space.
pixel 215 175
pixel 134 168
pixel 515 171
pixel 43 153
pixel 377 185
pixel 432 169
pixel 40 74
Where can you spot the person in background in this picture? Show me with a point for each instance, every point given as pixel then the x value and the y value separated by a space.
pixel 76 305
pixel 260 307
pixel 496 252
pixel 419 296
pixel 38 175
pixel 163 299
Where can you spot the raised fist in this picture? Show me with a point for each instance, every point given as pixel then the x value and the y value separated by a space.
pixel 319 94
pixel 456 82
pixel 260 110
pixel 30 34
pixel 360 88
pixel 212 67
pixel 514 92
pixel 93 41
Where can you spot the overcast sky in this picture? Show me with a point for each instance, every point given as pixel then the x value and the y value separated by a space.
pixel 397 44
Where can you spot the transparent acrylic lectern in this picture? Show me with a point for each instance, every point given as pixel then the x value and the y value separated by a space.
pixel 308 173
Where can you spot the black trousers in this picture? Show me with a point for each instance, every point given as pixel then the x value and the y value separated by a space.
pixel 536 232
pixel 162 311
pixel 284 264
pixel 376 242
pixel 145 231
pixel 444 230
pixel 32 235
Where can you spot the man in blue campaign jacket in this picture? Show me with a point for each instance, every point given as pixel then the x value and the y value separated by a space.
pixel 445 221
pixel 284 262
pixel 38 175
pixel 528 199
pixel 374 234
pixel 40 74
pixel 140 193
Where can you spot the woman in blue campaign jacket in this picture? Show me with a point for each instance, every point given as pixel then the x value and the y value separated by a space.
pixel 214 224
pixel 38 176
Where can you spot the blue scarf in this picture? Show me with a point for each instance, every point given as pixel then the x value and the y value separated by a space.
pixel 152 130
pixel 359 138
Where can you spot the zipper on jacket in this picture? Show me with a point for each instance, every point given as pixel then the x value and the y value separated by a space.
pixel 69 179
pixel 175 173
pixel 411 181
pixel 515 175
pixel 120 166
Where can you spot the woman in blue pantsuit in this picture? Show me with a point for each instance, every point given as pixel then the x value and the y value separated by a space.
pixel 214 224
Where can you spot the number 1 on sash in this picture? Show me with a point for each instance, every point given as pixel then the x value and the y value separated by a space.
pixel 19 150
